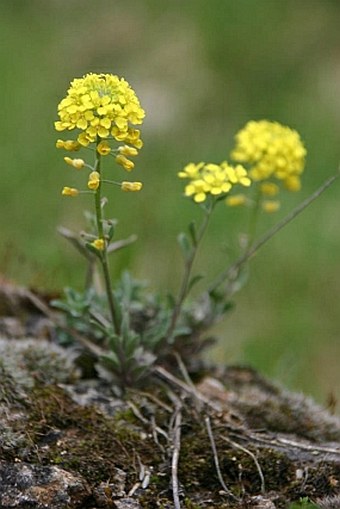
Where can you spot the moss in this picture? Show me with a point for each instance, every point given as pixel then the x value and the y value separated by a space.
pixel 79 439
pixel 54 430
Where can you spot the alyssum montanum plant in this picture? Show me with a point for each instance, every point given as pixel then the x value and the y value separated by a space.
pixel 134 329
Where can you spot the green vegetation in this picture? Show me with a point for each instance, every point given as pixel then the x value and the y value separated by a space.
pixel 201 74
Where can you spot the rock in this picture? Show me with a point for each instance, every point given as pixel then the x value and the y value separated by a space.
pixel 68 442
pixel 43 487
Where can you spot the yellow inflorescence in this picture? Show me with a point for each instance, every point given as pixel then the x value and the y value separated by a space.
pixel 101 105
pixel 212 179
pixel 272 151
pixel 131 186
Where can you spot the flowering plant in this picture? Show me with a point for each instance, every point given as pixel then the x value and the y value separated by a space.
pixel 127 328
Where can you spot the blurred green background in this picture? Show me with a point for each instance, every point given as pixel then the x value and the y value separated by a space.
pixel 201 69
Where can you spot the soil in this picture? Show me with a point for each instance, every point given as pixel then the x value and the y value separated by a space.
pixel 223 437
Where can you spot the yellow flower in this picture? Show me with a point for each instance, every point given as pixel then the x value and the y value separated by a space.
pixel 191 171
pixel 125 150
pixel 272 150
pixel 125 162
pixel 99 244
pixel 101 105
pixel 103 148
pixel 236 200
pixel 270 206
pixel 70 191
pixel 213 179
pixel 133 138
pixel 94 180
pixel 131 186
pixel 78 164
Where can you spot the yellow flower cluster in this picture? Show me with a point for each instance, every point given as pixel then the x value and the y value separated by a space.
pixel 101 105
pixel 273 151
pixel 212 179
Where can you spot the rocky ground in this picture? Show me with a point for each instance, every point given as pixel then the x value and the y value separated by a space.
pixel 223 438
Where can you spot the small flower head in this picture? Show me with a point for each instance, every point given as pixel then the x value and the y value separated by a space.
pixel 70 191
pixel 212 179
pixel 101 105
pixel 78 164
pixel 125 162
pixel 94 180
pixel 131 186
pixel 271 150
pixel 99 244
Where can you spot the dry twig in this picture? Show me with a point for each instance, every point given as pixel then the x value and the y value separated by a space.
pixel 216 461
pixel 175 457
pixel 252 455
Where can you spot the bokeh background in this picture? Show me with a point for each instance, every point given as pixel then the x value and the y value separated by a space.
pixel 201 69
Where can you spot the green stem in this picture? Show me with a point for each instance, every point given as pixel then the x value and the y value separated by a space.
pixel 104 257
pixel 184 288
pixel 231 272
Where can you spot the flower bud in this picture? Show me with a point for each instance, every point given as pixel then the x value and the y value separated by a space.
pixel 125 150
pixel 99 244
pixel 131 186
pixel 94 181
pixel 270 206
pixel 103 148
pixel 70 191
pixel 126 163
pixel 78 164
pixel 269 189
pixel 236 200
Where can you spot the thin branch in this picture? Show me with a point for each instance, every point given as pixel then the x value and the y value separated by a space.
pixel 166 375
pixel 189 262
pixel 216 461
pixel 252 455
pixel 120 244
pixel 232 271
pixel 188 380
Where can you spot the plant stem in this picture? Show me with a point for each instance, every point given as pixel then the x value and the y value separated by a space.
pixel 104 257
pixel 232 271
pixel 189 261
